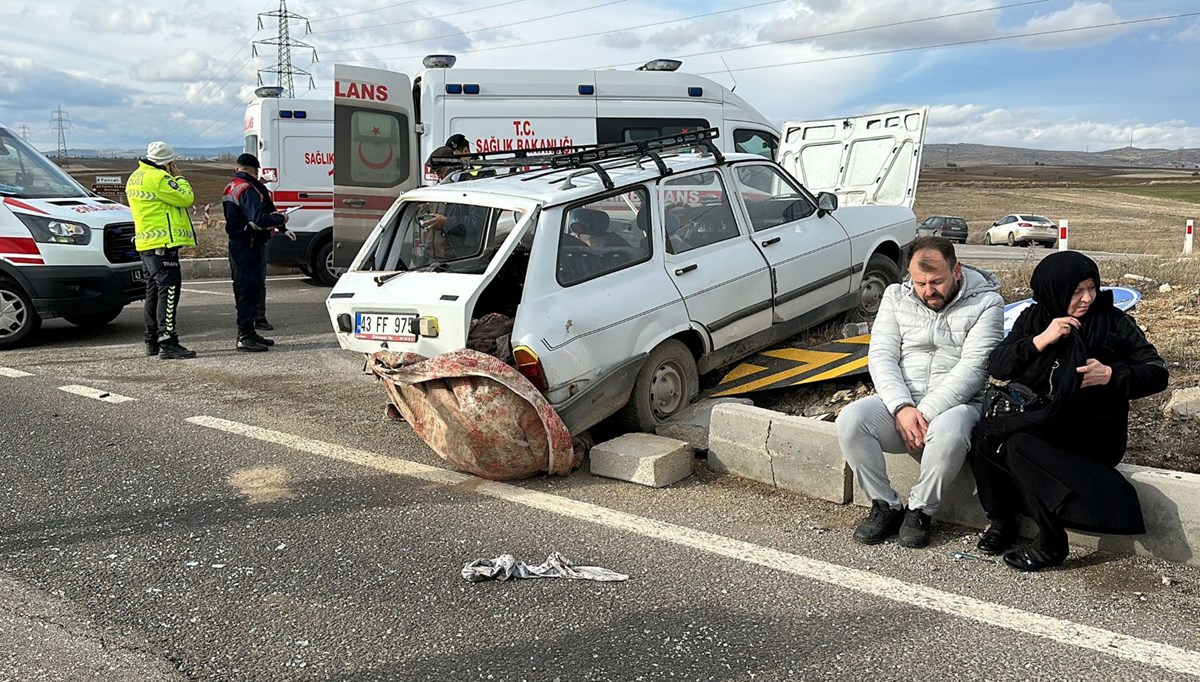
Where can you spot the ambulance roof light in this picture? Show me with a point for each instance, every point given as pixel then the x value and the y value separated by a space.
pixel 269 91
pixel 661 65
pixel 439 61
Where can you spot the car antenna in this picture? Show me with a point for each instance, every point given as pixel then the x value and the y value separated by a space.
pixel 730 72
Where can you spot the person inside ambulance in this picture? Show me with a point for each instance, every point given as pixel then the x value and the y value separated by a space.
pixel 159 198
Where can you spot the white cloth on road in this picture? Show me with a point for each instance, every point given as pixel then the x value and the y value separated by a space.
pixel 506 567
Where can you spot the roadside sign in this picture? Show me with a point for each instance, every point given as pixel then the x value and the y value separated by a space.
pixel 111 186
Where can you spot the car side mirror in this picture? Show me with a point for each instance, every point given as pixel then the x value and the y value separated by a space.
pixel 827 202
pixel 995 224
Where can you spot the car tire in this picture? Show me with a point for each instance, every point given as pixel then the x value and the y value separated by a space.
pixel 323 264
pixel 18 319
pixel 93 320
pixel 987 238
pixel 880 273
pixel 1012 239
pixel 666 384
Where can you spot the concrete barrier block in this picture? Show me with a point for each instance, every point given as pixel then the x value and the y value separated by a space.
pixel 737 442
pixel 806 457
pixel 693 423
pixel 643 458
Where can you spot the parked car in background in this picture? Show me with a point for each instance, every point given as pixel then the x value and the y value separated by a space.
pixel 950 227
pixel 1025 229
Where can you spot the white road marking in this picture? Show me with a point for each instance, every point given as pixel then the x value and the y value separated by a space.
pixel 96 394
pixel 210 293
pixel 13 373
pixel 1058 630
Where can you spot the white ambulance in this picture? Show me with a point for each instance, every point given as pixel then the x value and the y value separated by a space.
pixel 64 252
pixel 293 140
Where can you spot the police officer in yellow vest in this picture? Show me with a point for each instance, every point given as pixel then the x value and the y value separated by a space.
pixel 159 198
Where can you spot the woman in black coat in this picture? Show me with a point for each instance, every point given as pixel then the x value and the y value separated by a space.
pixel 1056 463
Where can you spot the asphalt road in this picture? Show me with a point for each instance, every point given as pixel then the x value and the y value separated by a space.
pixel 255 517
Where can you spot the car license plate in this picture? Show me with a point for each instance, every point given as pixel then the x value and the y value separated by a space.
pixel 137 275
pixel 384 327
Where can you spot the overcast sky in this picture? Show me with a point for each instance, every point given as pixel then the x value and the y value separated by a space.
pixel 182 71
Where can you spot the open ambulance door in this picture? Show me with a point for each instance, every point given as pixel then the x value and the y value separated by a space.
pixel 865 160
pixel 375 152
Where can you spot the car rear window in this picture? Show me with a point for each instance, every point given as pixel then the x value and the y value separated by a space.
pixel 956 222
pixel 1036 218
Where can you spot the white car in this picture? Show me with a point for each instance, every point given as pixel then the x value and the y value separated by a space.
pixel 626 276
pixel 1024 229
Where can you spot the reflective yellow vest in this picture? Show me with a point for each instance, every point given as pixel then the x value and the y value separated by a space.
pixel 160 203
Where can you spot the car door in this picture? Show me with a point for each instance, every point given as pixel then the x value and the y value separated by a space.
pixel 375 152
pixel 809 254
pixel 873 159
pixel 721 275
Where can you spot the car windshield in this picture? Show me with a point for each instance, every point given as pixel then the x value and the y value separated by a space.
pixel 27 174
pixel 462 237
pixel 1035 218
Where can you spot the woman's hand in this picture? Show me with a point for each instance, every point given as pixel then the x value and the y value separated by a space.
pixel 1059 328
pixel 1095 373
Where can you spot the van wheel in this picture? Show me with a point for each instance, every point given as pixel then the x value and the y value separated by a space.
pixel 323 265
pixel 306 271
pixel 93 320
pixel 666 384
pixel 18 319
pixel 881 272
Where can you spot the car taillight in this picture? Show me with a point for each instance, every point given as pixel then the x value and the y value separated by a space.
pixel 530 367
pixel 1024 224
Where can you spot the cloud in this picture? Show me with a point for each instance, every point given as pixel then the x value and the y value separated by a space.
pixel 188 65
pixel 895 20
pixel 26 84
pixel 112 17
pixel 981 124
pixel 1078 15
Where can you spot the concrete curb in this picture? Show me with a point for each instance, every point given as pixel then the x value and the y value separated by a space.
pixel 218 268
pixel 802 455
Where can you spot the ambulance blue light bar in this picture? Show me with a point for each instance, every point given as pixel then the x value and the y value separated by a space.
pixel 695 92
pixel 454 88
pixel 301 114
pixel 471 88
pixel 587 89
pixel 284 113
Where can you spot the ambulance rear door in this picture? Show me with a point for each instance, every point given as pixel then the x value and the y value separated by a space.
pixel 873 159
pixel 376 157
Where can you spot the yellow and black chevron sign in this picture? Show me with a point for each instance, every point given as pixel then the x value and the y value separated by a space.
pixel 783 367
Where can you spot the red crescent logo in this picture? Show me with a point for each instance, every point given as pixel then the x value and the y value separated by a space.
pixel 376 166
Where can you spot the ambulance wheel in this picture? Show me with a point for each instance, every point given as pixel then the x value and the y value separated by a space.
pixel 18 319
pixel 93 320
pixel 666 384
pixel 880 273
pixel 306 271
pixel 323 265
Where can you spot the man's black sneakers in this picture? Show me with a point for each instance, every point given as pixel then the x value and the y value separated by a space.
pixel 249 344
pixel 171 350
pixel 151 348
pixel 263 325
pixel 882 523
pixel 915 531
pixel 263 341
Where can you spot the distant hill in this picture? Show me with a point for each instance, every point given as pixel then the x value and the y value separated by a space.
pixel 186 152
pixel 939 155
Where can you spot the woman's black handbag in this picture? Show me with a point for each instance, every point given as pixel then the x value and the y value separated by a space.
pixel 1004 398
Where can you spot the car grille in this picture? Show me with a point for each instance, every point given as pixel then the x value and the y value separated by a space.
pixel 118 243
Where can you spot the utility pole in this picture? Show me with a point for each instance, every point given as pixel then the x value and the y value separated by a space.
pixel 60 122
pixel 23 131
pixel 283 69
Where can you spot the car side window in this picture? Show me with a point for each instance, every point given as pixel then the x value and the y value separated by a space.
pixel 697 211
pixel 770 198
pixel 604 236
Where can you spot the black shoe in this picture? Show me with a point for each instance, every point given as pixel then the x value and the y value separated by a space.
pixel 171 350
pixel 882 523
pixel 915 531
pixel 151 348
pixel 1028 559
pixel 997 538
pixel 263 341
pixel 263 325
pixel 248 344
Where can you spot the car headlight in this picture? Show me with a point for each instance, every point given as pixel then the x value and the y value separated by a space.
pixel 55 231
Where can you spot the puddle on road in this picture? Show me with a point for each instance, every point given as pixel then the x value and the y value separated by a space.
pixel 262 484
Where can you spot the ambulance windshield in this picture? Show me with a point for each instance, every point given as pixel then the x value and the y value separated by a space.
pixel 27 174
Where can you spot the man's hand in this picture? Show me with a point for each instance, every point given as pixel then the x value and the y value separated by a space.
pixel 912 427
pixel 1095 373
pixel 290 235
pixel 173 169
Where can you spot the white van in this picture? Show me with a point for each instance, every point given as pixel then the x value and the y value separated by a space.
pixel 293 140
pixel 64 252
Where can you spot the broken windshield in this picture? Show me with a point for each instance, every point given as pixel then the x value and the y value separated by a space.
pixel 433 235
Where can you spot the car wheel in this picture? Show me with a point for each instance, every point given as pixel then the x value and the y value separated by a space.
pixel 987 238
pixel 18 319
pixel 881 272
pixel 1012 239
pixel 93 320
pixel 666 384
pixel 323 265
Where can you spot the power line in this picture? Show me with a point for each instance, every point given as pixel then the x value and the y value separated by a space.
pixel 960 43
pixel 60 122
pixel 365 11
pixel 413 21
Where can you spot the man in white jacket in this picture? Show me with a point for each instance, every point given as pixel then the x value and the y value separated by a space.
pixel 928 359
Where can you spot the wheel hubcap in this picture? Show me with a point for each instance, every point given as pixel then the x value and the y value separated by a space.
pixel 666 390
pixel 871 293
pixel 13 313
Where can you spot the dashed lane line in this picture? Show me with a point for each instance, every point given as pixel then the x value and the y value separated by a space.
pixel 96 394
pixel 13 373
pixel 1059 630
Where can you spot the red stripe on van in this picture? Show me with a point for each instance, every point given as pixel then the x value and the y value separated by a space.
pixel 23 206
pixel 25 261
pixel 19 245
pixel 309 197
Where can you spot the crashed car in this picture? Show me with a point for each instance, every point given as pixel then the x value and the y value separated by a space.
pixel 627 270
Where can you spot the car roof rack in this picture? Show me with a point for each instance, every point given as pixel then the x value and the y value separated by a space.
pixel 590 157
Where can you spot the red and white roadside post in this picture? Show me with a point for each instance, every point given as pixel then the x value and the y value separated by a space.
pixel 1187 237
pixel 1062 235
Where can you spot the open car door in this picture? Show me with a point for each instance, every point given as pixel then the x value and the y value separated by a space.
pixel 872 159
pixel 376 156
